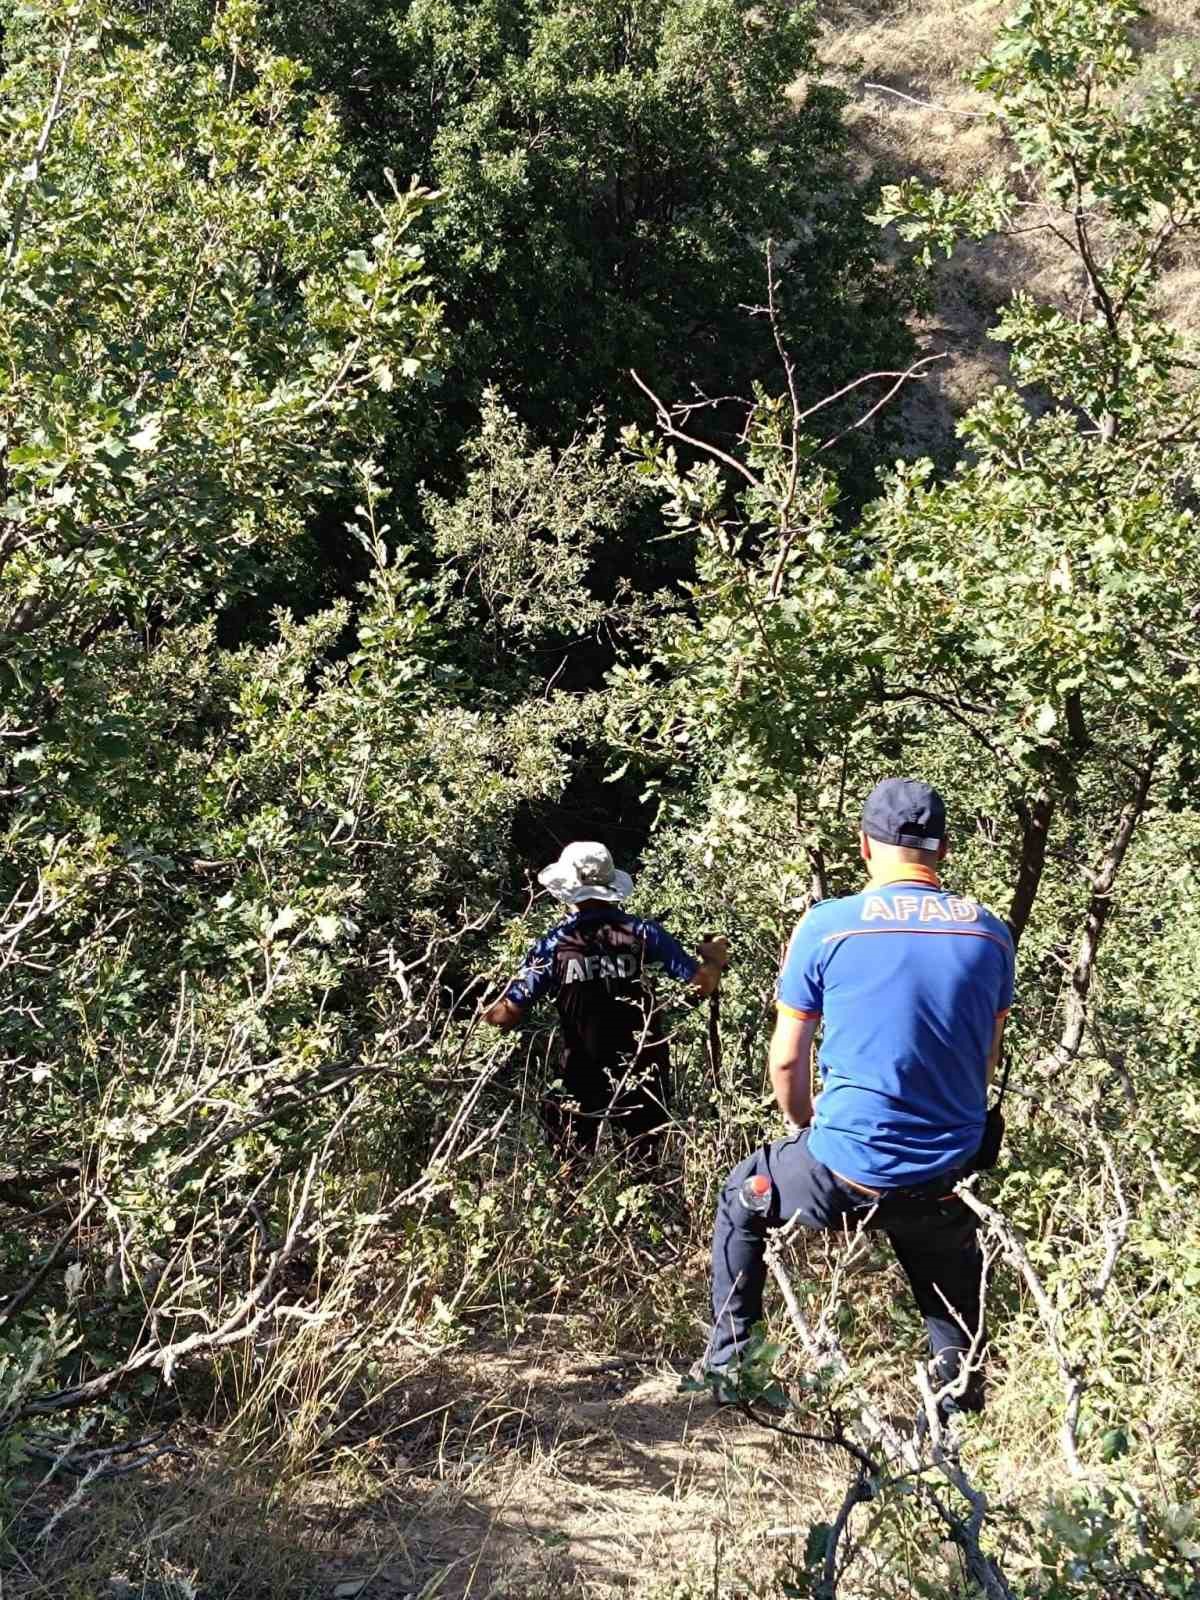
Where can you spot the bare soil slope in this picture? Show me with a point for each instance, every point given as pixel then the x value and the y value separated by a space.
pixel 549 1472
pixel 906 63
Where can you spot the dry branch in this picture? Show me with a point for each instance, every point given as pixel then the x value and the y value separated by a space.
pixel 965 1533
pixel 243 1322
pixel 901 378
pixel 1116 1229
pixel 33 172
pixel 14 1303
pixel 824 1350
pixel 1070 1372
pixel 106 1461
pixel 667 424
pixel 1103 881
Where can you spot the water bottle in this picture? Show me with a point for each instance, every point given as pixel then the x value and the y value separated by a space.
pixel 755 1194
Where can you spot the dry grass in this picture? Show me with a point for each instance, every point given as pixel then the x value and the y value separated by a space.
pixel 924 49
pixel 552 1463
pixel 555 1469
pixel 546 1463
pixel 489 1473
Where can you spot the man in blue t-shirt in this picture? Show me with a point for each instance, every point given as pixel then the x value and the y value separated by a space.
pixel 909 986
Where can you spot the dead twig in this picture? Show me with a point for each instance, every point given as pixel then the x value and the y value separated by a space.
pixel 243 1322
pixel 34 171
pixel 965 1532
pixel 106 1461
pixel 1116 1229
pixel 915 371
pixel 1070 1371
pixel 933 105
pixel 823 1347
pixel 822 1344
pixel 14 1303
pixel 667 423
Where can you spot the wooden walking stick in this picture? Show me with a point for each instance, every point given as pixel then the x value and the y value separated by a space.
pixel 714 1031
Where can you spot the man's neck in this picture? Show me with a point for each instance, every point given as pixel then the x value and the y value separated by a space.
pixel 878 877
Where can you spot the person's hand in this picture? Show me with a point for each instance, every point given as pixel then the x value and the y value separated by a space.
pixel 714 948
pixel 793 1128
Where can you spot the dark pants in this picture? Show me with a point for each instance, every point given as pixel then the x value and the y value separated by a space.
pixel 933 1237
pixel 629 1092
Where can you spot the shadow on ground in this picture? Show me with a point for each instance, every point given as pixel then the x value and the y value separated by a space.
pixel 494 1472
pixel 552 1473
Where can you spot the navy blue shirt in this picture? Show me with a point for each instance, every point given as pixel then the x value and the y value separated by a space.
pixel 909 981
pixel 594 964
pixel 570 953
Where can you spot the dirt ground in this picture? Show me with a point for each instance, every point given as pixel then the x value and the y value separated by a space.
pixel 544 1471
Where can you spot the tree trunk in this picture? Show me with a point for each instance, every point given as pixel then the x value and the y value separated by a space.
pixel 1103 882
pixel 1035 830
pixel 818 883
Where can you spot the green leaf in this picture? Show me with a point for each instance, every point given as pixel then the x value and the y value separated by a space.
pixel 1114 1443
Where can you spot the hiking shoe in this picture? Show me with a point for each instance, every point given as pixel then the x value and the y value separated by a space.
pixel 721 1382
pixel 953 1419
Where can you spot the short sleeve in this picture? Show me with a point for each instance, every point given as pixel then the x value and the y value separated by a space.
pixel 801 990
pixel 536 975
pixel 667 952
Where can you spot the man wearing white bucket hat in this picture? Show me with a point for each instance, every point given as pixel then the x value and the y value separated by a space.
pixel 615 1056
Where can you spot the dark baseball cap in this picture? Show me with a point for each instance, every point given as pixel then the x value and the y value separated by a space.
pixel 903 811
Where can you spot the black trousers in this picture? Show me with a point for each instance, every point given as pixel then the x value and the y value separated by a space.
pixel 934 1239
pixel 627 1090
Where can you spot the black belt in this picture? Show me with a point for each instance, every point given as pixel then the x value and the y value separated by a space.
pixel 936 1189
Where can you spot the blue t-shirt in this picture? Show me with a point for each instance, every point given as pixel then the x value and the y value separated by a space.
pixel 909 981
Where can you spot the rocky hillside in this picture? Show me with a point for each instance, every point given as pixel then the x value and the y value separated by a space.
pixel 908 64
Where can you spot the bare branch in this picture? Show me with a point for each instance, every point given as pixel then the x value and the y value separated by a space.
pixel 836 1440
pixel 1103 882
pixel 1116 1229
pixel 107 1461
pixel 934 105
pixel 870 377
pixel 789 373
pixel 667 424
pixel 1069 1371
pixel 858 1490
pixel 824 1349
pixel 901 379
pixel 33 172
pixel 247 1316
pixel 22 1296
pixel 957 709
pixel 965 1534
pixel 822 1345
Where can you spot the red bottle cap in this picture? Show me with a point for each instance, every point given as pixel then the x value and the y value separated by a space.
pixel 759 1184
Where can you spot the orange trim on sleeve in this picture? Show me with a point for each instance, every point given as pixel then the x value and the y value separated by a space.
pixel 1000 1015
pixel 801 1016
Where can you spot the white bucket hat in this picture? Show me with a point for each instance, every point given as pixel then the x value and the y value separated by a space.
pixel 585 871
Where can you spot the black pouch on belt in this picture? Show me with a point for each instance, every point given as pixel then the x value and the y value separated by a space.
pixel 988 1154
